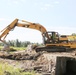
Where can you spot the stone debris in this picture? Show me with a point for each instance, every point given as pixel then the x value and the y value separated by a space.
pixel 40 62
pixel 28 62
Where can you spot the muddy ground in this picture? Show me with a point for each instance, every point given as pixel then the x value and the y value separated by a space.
pixel 27 61
pixel 43 63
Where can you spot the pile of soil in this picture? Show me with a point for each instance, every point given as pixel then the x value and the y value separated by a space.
pixel 20 56
pixel 28 61
pixel 41 62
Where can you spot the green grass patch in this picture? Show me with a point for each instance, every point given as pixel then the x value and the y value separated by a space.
pixel 19 48
pixel 15 48
pixel 6 69
pixel 1 47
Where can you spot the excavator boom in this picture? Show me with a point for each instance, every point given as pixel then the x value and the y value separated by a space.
pixel 24 24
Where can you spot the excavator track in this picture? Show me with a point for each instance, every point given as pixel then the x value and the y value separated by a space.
pixel 53 49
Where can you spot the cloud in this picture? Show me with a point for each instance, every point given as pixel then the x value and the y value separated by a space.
pixel 47 6
pixel 5 19
pixel 62 29
pixel 56 2
pixel 16 2
pixel 2 19
pixel 43 8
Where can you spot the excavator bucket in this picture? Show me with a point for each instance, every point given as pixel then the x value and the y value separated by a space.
pixel 6 46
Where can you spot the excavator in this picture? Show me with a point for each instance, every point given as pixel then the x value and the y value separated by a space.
pixel 53 42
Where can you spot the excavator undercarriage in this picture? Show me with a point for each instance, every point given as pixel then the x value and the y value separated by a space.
pixel 54 49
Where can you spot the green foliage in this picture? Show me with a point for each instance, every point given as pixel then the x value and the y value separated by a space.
pixel 18 48
pixel 74 34
pixel 17 43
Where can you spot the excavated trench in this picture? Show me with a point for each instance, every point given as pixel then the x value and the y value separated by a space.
pixel 71 67
pixel 66 66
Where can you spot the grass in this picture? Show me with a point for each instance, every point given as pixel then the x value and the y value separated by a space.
pixel 19 48
pixel 1 47
pixel 6 69
pixel 15 48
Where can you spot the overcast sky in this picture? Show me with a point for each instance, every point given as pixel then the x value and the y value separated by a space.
pixel 54 15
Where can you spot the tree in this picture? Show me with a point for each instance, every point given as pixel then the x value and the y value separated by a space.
pixel 74 34
pixel 17 43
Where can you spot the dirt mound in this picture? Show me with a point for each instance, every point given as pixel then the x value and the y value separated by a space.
pixel 20 56
pixel 40 62
pixel 28 61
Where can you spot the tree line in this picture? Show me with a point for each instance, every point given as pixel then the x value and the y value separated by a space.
pixel 17 43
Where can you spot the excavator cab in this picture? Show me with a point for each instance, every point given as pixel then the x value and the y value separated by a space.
pixel 53 37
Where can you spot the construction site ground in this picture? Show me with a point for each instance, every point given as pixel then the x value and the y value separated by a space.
pixel 43 63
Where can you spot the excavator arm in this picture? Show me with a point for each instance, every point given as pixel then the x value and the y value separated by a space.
pixel 6 30
pixel 25 24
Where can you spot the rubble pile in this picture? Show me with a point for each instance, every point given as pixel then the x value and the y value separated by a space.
pixel 31 61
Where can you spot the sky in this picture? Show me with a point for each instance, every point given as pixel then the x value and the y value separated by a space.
pixel 54 15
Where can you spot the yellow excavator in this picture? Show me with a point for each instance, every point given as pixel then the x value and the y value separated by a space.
pixel 52 40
